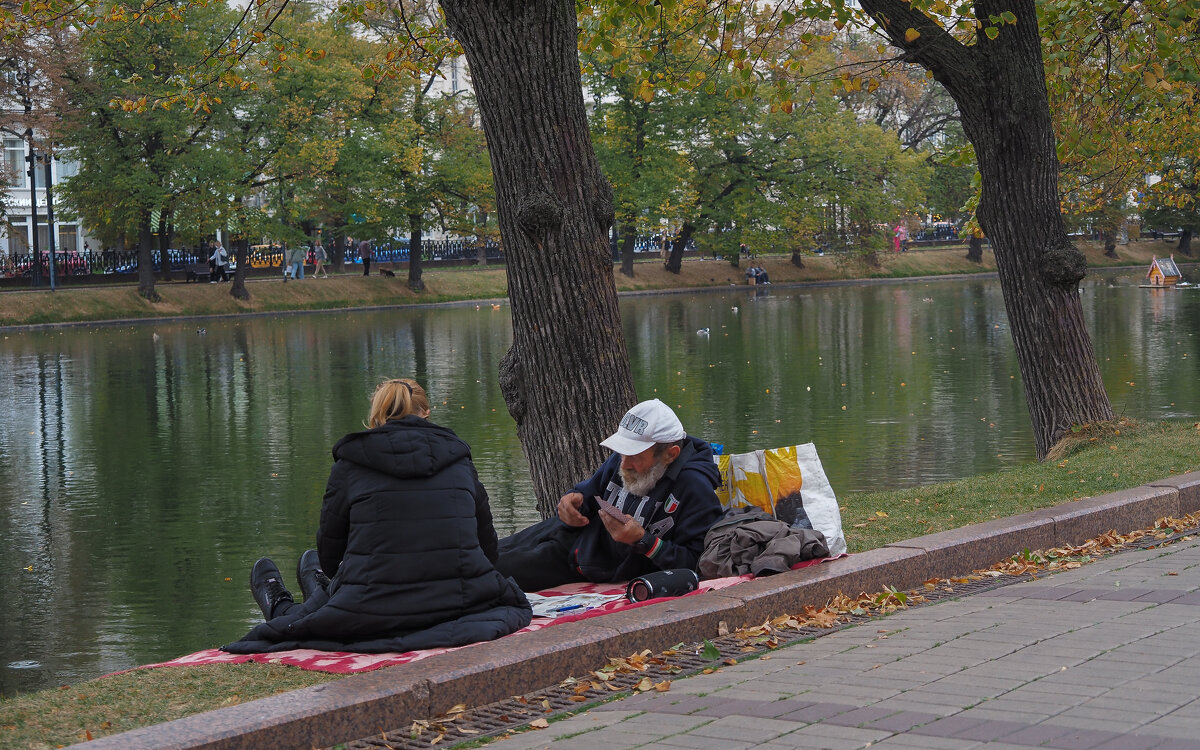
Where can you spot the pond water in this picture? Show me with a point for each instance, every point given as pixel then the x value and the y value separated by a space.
pixel 143 468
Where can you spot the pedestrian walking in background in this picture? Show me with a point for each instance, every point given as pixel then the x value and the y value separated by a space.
pixel 900 239
pixel 295 261
pixel 218 264
pixel 320 256
pixel 364 252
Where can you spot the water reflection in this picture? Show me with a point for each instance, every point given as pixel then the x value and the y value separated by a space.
pixel 145 467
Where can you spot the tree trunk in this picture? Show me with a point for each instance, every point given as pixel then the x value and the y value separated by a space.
pixel 145 254
pixel 627 242
pixel 415 282
pixel 164 244
pixel 337 255
pixel 675 259
pixel 241 254
pixel 975 249
pixel 1185 242
pixel 566 379
pixel 1000 89
pixel 1110 243
pixel 628 208
pixel 797 258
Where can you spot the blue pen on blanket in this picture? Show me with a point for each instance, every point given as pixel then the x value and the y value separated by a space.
pixel 569 607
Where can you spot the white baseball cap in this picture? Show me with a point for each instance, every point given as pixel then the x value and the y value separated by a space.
pixel 644 425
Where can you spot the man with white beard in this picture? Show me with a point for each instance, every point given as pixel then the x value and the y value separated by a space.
pixel 659 485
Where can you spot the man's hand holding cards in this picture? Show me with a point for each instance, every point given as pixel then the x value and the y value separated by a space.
pixel 623 528
pixel 611 510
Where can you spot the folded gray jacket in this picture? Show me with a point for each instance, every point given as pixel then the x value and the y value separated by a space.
pixel 748 540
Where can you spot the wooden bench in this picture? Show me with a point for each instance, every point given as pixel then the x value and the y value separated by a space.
pixel 197 272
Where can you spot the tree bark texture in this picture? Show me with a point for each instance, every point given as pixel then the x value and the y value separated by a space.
pixel 1000 89
pixel 1185 242
pixel 797 258
pixel 566 379
pixel 415 280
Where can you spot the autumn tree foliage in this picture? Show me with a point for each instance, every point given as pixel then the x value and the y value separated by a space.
pixel 139 167
pixel 1124 90
pixel 1128 114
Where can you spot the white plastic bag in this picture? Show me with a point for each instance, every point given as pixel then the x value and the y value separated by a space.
pixel 788 483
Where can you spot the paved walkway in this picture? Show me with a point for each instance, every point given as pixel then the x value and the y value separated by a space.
pixel 1104 656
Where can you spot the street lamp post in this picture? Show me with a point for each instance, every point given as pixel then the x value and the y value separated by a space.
pixel 48 157
pixel 37 251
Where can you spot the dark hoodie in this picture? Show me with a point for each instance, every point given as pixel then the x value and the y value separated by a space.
pixel 406 536
pixel 677 512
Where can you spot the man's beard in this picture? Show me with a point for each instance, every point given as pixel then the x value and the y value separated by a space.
pixel 641 484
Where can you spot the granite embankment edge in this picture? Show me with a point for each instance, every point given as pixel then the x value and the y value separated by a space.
pixel 373 702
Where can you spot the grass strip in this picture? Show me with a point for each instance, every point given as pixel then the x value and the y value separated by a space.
pixel 1096 460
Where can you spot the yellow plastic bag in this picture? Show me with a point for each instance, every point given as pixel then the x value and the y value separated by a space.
pixel 788 483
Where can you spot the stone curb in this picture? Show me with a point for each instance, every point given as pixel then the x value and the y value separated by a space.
pixel 374 702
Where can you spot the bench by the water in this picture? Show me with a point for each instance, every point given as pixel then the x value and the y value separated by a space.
pixel 197 272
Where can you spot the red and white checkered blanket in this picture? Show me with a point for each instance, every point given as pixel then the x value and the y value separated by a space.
pixel 344 663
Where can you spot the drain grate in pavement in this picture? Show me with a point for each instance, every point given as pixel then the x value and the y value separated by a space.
pixel 560 701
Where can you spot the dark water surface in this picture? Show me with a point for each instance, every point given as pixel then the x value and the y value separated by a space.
pixel 144 468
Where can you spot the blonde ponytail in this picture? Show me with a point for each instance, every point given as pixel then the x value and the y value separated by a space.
pixel 396 399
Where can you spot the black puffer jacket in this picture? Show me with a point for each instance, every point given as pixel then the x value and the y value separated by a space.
pixel 404 529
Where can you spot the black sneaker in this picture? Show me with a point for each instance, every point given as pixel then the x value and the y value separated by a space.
pixel 266 585
pixel 310 575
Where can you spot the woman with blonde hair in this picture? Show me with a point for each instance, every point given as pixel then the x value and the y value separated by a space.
pixel 319 257
pixel 406 550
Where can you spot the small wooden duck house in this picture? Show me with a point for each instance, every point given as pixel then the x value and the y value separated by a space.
pixel 1163 272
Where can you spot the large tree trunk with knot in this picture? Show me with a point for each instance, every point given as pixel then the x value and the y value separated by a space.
pixel 566 379
pixel 999 85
